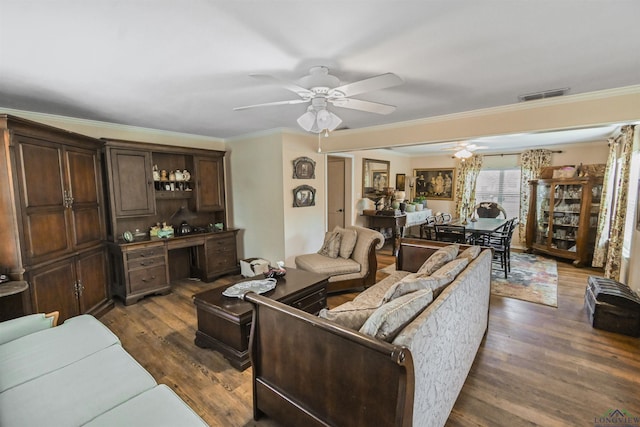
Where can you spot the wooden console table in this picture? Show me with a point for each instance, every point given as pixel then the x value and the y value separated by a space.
pixel 396 223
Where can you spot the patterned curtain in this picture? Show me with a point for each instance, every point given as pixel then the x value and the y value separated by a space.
pixel 531 164
pixel 618 213
pixel 466 176
pixel 606 206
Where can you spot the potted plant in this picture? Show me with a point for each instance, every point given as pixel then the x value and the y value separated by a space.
pixel 422 200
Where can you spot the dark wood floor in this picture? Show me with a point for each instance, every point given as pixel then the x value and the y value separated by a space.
pixel 537 366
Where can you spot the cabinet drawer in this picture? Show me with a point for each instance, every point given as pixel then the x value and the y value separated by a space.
pixel 222 243
pixel 145 253
pixel 312 303
pixel 144 262
pixel 148 278
pixel 222 260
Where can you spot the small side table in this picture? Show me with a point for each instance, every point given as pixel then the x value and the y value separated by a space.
pixel 15 300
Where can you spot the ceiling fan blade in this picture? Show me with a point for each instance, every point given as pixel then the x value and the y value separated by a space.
pixel 269 104
pixel 382 81
pixel 368 106
pixel 299 90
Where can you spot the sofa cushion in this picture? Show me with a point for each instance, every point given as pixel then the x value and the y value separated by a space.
pixel 414 282
pixel 159 406
pixel 389 319
pixel 41 352
pixel 438 259
pixel 330 266
pixel 471 253
pixel 374 295
pixel 350 314
pixel 331 245
pixel 448 272
pixel 349 238
pixel 77 393
pixel 25 325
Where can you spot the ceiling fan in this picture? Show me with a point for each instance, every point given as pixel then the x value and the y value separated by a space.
pixel 464 150
pixel 320 89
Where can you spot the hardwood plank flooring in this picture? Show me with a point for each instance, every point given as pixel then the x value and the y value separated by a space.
pixel 538 365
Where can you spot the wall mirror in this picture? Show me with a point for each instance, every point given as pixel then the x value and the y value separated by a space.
pixel 375 178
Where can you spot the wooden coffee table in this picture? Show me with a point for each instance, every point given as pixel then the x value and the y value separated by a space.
pixel 224 323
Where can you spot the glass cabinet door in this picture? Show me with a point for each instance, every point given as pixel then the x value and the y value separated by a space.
pixel 543 202
pixel 566 216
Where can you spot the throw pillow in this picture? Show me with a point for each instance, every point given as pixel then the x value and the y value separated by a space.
pixel 349 237
pixel 449 271
pixel 331 245
pixel 470 253
pixel 373 296
pixel 411 283
pixel 438 259
pixel 390 318
pixel 349 315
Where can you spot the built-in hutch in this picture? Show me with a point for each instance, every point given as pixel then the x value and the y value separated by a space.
pixel 165 189
pixel 563 217
pixel 52 219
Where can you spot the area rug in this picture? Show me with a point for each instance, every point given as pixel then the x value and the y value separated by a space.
pixel 532 278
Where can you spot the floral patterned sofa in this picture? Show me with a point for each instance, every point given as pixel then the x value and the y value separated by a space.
pixel 405 365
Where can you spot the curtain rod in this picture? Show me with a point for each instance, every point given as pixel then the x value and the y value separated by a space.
pixel 513 154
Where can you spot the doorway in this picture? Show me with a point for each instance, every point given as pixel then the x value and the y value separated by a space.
pixel 336 172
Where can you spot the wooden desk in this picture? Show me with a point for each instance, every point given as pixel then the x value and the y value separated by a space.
pixel 396 223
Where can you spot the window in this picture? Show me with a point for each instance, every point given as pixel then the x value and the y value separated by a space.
pixel 501 186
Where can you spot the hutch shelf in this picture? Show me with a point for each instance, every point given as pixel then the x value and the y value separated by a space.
pixel 563 217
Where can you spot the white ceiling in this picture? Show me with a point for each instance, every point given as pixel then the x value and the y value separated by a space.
pixel 184 65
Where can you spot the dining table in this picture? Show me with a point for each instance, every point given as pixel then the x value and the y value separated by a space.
pixel 480 226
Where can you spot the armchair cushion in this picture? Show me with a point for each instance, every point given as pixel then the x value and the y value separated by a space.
pixel 325 265
pixel 331 245
pixel 349 238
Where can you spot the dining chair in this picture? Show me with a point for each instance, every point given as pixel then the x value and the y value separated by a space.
pixel 500 242
pixel 451 233
pixel 427 230
pixel 490 210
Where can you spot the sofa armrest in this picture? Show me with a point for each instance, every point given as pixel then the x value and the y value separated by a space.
pixel 16 328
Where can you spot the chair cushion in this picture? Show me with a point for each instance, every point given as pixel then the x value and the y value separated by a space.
pixel 349 238
pixel 389 319
pixel 438 259
pixel 331 245
pixel 350 314
pixel 471 253
pixel 330 266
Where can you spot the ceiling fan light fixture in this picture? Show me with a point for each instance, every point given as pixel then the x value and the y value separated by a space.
pixel 317 121
pixel 463 154
pixel 307 120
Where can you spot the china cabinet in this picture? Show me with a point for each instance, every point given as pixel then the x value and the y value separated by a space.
pixel 563 217
pixel 52 224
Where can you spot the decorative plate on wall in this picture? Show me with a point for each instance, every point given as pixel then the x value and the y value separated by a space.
pixel 304 168
pixel 304 195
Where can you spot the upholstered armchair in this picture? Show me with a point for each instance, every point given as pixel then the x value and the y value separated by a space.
pixel 354 266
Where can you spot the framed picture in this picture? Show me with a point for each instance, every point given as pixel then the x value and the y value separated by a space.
pixel 380 180
pixel 304 195
pixel 438 184
pixel 400 184
pixel 304 168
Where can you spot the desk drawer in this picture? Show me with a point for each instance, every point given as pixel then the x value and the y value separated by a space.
pixel 146 253
pixel 222 243
pixel 148 278
pixel 145 262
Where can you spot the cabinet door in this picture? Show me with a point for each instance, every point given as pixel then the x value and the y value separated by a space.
pixel 221 254
pixel 132 178
pixel 84 190
pixel 209 184
pixel 53 289
pixel 43 199
pixel 91 271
